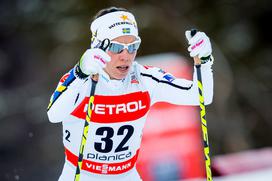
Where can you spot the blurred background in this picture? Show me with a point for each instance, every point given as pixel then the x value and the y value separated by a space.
pixel 42 40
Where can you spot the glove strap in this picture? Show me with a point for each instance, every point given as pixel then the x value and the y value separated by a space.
pixel 205 59
pixel 79 72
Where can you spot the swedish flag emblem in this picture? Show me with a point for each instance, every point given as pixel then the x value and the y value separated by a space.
pixel 126 30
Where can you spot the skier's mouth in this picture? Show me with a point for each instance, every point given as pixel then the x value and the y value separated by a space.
pixel 123 68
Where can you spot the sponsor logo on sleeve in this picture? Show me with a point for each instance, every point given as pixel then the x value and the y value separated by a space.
pixel 162 71
pixel 169 77
pixel 147 66
pixel 64 77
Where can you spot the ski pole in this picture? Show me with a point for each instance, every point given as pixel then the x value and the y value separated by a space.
pixel 86 128
pixel 203 116
pixel 88 117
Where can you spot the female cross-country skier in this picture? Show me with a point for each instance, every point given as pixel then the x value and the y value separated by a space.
pixel 124 93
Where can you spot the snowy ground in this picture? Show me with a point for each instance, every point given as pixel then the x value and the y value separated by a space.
pixel 260 175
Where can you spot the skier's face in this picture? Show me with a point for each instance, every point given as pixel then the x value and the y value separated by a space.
pixel 120 63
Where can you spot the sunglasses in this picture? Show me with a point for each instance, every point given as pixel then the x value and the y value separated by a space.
pixel 116 47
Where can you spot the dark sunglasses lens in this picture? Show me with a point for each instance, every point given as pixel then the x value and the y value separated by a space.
pixel 116 48
pixel 133 47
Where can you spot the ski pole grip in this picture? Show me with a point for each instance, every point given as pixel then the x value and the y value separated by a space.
pixel 104 45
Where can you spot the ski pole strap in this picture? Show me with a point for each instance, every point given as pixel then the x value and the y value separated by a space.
pixel 104 44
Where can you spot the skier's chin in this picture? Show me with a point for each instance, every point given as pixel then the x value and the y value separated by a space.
pixel 119 75
pixel 120 72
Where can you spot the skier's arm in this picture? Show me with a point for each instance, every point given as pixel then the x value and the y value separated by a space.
pixel 164 87
pixel 184 92
pixel 71 85
pixel 64 97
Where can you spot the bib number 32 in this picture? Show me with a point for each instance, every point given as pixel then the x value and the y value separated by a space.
pixel 106 144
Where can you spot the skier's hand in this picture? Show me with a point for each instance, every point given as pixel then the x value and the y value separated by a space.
pixel 93 61
pixel 199 45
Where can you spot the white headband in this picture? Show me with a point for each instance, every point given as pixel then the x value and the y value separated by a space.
pixel 113 25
